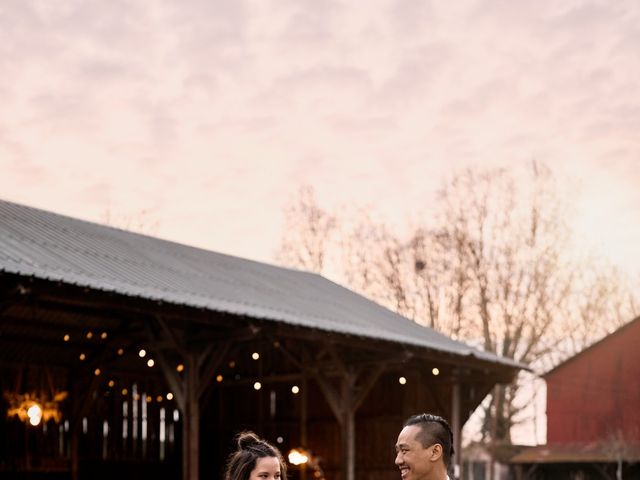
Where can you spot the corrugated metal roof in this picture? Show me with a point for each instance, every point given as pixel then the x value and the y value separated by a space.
pixel 50 246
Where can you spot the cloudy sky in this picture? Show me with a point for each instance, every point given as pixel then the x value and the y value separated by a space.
pixel 208 114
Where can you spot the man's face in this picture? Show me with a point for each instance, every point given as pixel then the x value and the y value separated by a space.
pixel 415 461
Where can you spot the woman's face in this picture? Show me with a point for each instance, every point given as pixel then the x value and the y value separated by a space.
pixel 267 468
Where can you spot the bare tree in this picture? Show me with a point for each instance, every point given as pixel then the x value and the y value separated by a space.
pixel 139 222
pixel 495 267
pixel 308 231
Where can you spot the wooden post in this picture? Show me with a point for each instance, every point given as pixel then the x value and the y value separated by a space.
pixel 348 425
pixel 191 419
pixel 344 403
pixel 74 454
pixel 456 428
pixel 303 421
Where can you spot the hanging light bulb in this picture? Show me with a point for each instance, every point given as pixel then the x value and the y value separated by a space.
pixel 298 457
pixel 35 414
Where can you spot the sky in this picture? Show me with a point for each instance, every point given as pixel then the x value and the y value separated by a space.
pixel 209 114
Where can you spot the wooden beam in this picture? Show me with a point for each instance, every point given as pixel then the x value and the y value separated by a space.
pixel 171 376
pixel 456 426
pixel 215 357
pixel 367 384
pixel 170 334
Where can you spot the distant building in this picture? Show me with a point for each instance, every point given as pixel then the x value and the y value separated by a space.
pixel 593 414
pixel 478 458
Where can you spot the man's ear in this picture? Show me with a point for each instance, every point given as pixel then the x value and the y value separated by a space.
pixel 437 452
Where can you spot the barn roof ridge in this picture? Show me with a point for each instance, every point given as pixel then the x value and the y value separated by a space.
pixel 592 347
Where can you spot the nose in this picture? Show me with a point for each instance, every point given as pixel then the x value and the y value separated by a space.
pixel 399 461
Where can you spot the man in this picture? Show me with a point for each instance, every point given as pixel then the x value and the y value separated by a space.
pixel 424 448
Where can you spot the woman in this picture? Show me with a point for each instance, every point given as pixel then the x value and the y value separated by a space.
pixel 255 459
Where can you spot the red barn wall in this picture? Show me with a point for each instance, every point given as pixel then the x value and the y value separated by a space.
pixel 596 395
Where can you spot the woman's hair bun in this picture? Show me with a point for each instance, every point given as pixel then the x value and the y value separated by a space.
pixel 247 440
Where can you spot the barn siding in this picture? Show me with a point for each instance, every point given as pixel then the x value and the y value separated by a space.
pixel 596 395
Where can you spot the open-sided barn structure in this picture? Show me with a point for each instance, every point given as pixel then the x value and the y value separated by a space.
pixel 146 357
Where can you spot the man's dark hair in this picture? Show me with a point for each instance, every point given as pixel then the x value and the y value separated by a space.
pixel 434 429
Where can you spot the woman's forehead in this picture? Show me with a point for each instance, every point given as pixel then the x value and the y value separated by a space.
pixel 268 464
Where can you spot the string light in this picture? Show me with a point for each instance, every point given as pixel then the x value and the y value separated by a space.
pixel 121 351
pixel 149 399
pixel 66 337
pixel 402 380
pixel 103 335
pixel 111 383
pixel 82 357
pixel 435 371
pixel 89 335
pixel 150 363
pixel 295 389
pixel 255 355
pixel 142 353
pixel 180 367
pixel 232 364
pixel 159 398
pixel 169 396
pixel 219 378
pixel 96 372
pixel 257 386
pixel 125 391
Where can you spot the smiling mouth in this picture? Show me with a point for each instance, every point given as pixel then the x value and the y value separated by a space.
pixel 404 471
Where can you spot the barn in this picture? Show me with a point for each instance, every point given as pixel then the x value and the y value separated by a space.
pixel 124 355
pixel 593 414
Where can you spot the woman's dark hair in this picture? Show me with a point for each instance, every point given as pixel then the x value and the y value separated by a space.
pixel 249 449
pixel 434 429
